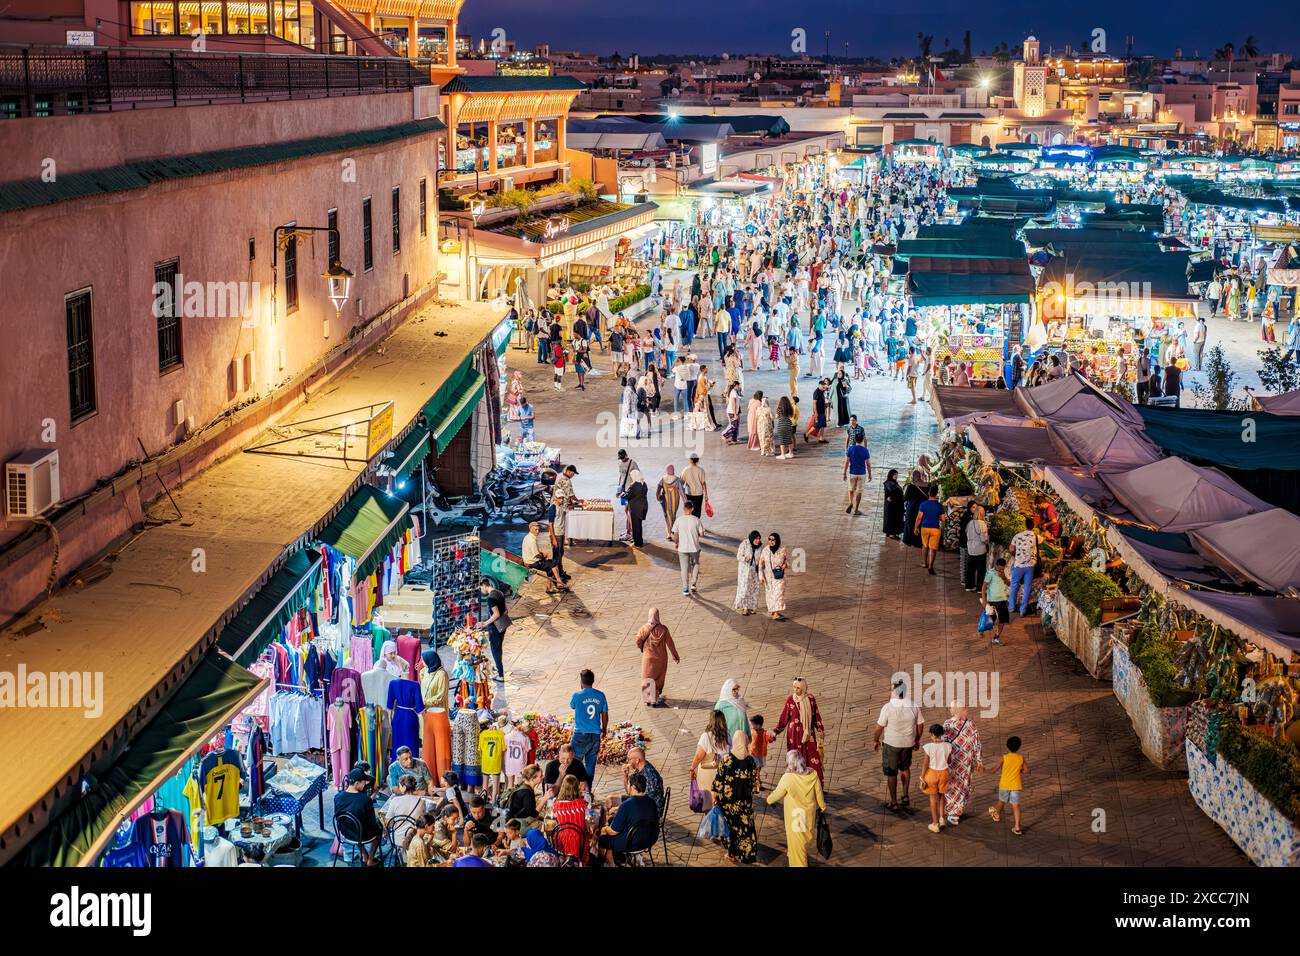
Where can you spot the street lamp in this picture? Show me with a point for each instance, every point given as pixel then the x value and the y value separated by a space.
pixel 338 278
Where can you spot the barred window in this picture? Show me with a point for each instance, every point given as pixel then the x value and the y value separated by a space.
pixel 81 355
pixel 167 312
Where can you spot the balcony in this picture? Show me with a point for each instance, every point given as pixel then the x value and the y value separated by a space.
pixel 53 81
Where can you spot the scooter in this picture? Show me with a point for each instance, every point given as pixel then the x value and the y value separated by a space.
pixel 473 509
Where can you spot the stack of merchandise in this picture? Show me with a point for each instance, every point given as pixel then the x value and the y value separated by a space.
pixel 554 732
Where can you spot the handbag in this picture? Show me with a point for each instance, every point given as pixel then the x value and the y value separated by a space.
pixel 824 842
pixel 714 826
pixel 698 800
pixel 778 574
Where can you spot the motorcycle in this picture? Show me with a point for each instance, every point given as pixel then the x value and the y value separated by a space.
pixel 524 501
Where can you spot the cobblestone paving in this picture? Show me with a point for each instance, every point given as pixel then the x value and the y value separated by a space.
pixel 862 610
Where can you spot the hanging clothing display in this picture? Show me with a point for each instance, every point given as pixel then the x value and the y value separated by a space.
pixel 374 683
pixel 464 747
pixel 408 649
pixel 375 729
pixel 254 752
pixel 405 704
pixel 164 838
pixel 219 777
pixel 297 722
pixel 346 685
pixel 341 718
pixel 362 656
pixel 436 748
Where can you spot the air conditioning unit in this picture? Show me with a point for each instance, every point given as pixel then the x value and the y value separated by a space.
pixel 31 484
pixel 507 183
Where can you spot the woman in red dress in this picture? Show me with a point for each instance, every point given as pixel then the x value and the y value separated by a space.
pixel 802 723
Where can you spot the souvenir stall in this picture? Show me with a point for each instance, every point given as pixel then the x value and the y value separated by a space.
pixel 593 520
pixel 915 151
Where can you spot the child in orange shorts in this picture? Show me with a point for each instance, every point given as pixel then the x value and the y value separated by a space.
pixel 759 739
pixel 934 774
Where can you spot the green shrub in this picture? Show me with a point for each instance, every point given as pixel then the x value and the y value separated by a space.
pixel 955 484
pixel 1271 765
pixel 628 299
pixel 557 308
pixel 585 188
pixel 521 200
pixel 1155 655
pixel 1005 525
pixel 1086 589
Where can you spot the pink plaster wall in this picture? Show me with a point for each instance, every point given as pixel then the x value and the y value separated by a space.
pixel 111 243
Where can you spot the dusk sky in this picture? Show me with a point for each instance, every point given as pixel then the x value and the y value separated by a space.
pixel 709 26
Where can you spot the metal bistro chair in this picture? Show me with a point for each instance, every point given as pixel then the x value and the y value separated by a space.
pixel 643 855
pixel 389 850
pixel 347 832
pixel 663 822
pixel 580 834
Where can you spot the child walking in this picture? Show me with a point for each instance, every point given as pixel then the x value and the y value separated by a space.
pixel 934 774
pixel 1013 767
pixel 759 739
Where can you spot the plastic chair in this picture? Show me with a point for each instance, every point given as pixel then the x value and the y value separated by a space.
pixel 347 832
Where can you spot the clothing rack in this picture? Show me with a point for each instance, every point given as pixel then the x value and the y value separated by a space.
pixel 454 583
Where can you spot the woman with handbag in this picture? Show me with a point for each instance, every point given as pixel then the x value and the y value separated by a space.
pixel 773 564
pixel 713 744
pixel 733 793
pixel 800 791
pixel 638 505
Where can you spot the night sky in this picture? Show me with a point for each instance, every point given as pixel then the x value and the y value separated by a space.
pixel 873 28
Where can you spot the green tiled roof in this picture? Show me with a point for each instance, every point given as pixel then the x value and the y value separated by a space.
pixel 29 193
pixel 513 84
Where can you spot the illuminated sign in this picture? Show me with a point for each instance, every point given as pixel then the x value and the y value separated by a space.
pixel 536 68
pixel 380 431
pixel 556 226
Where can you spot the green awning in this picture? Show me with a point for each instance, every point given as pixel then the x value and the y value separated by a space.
pixel 367 528
pixel 947 288
pixel 410 452
pixel 452 406
pixel 280 598
pixel 501 337
pixel 214 693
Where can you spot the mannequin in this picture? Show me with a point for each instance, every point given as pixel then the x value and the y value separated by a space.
pixel 218 851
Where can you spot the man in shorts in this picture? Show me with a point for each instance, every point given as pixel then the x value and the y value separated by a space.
pixel 898 734
pixel 929 523
pixel 857 468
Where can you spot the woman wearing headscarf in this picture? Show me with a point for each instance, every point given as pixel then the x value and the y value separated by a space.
pixel 773 566
pixel 732 407
pixel 638 505
pixel 713 744
pixel 392 662
pixel 655 644
pixel 751 420
pixel 627 414
pixel 747 573
pixel 733 707
pixel 704 401
pixel 733 792
pixel 669 495
pixel 923 467
pixel 537 851
pixel 966 757
pixel 802 723
pixel 766 430
pixel 913 495
pixel 893 521
pixel 842 385
pixel 436 745
pixel 800 789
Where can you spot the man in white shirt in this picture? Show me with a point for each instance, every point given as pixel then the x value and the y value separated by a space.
pixel 537 555
pixel 898 732
pixel 686 536
pixel 697 486
pixel 692 376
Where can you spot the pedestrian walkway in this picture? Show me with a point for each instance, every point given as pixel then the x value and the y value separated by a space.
pixel 862 610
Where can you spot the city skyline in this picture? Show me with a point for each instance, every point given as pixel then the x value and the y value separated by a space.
pixel 664 29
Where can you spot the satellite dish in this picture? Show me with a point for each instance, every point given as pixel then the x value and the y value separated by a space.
pixel 757 77
pixel 726 56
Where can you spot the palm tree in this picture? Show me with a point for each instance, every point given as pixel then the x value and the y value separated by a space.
pixel 924 40
pixel 1249 48
pixel 1225 51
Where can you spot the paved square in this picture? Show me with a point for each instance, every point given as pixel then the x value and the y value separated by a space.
pixel 862 610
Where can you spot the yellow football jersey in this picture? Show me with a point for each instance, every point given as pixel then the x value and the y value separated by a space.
pixel 221 793
pixel 491 751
